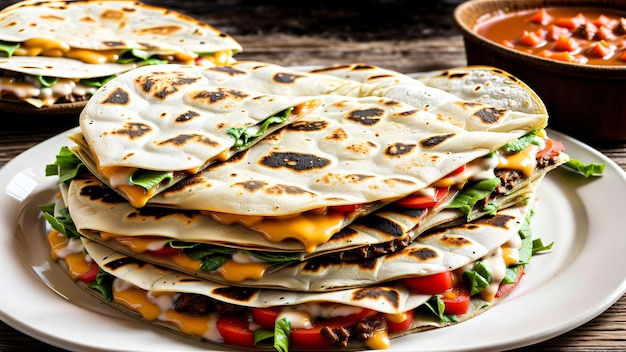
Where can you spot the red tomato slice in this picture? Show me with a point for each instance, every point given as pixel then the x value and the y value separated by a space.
pixel 266 317
pixel 503 290
pixel 401 326
pixel 552 148
pixel 90 275
pixel 457 171
pixel 431 284
pixel 164 252
pixel 313 339
pixel 421 201
pixel 457 300
pixel 348 208
pixel 235 331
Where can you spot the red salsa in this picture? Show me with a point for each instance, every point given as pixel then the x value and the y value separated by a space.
pixel 578 35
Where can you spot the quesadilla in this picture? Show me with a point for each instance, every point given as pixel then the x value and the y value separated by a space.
pixel 194 242
pixel 44 66
pixel 148 128
pixel 442 288
pixel 441 237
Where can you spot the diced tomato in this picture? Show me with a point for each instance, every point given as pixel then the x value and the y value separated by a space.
pixel 530 39
pixel 90 275
pixel 541 17
pixel 420 201
pixel 564 43
pixel 401 326
pixel 601 49
pixel 605 33
pixel 506 288
pixel 571 22
pixel 235 331
pixel 552 148
pixel 456 300
pixel 603 21
pixel 554 32
pixel 431 284
pixel 313 339
pixel 266 317
pixel 164 252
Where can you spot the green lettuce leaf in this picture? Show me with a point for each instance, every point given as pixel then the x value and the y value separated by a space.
pixel 244 136
pixel 8 48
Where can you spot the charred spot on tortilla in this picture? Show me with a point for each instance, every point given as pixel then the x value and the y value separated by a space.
pixel 282 77
pixel 399 149
pixel 424 253
pixel 87 19
pixel 122 262
pixel 366 116
pixel 459 75
pixel 369 264
pixel 229 70
pixel 372 78
pixel 455 241
pixel 345 235
pixel 363 148
pixel 133 130
pixel 286 189
pixel 294 161
pixel 102 193
pixel 307 126
pixel 490 114
pixel 408 113
pixel 214 96
pixel 186 116
pixel 114 44
pixel 159 30
pixel 338 134
pixel 317 264
pixel 252 186
pixel 160 213
pixel 333 68
pixel 117 97
pixel 184 183
pixel 53 18
pixel 112 15
pixel 390 294
pixel 240 294
pixel 380 224
pixel 362 67
pixel 499 220
pixel 182 139
pixel 162 84
pixel 435 140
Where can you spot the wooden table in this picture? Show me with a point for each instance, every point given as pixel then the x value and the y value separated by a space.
pixel 400 35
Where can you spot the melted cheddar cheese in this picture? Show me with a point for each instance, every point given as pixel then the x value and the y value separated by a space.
pixel 523 161
pixel 53 48
pixel 236 272
pixel 71 252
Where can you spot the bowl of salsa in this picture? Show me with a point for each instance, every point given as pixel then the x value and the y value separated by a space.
pixel 572 53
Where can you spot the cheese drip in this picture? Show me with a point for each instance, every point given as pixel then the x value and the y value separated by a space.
pixel 53 48
pixel 310 228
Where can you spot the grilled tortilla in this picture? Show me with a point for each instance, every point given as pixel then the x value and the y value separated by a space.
pixel 150 127
pixel 203 310
pixel 99 40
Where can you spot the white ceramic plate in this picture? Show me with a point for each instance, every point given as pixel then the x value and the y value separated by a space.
pixel 582 276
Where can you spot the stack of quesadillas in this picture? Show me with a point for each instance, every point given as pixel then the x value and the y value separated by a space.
pixel 372 209
pixel 55 54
